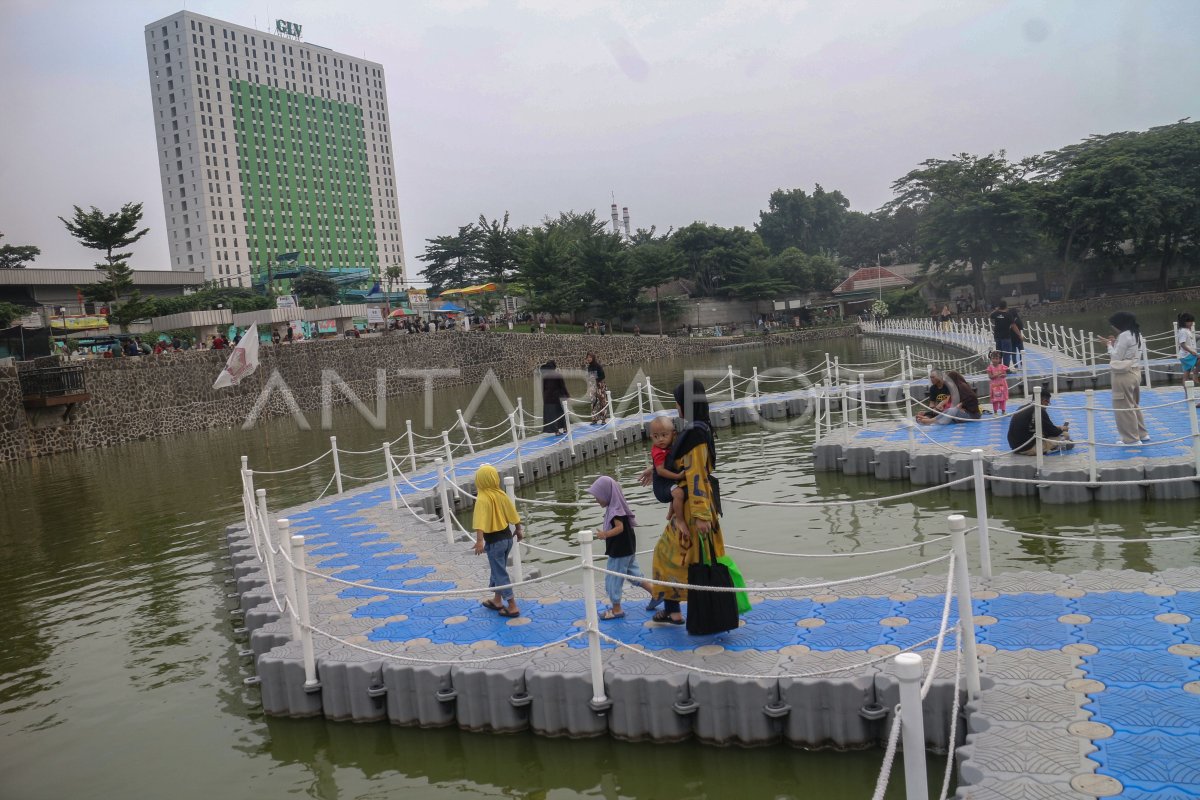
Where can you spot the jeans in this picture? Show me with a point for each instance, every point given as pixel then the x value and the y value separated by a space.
pixel 1007 353
pixel 612 584
pixel 953 414
pixel 497 556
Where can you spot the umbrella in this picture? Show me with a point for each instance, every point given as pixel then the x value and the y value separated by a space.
pixel 401 312
pixel 449 308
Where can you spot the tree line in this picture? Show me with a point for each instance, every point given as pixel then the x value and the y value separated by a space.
pixel 1111 202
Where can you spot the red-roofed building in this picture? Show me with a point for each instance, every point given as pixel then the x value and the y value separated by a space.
pixel 871 279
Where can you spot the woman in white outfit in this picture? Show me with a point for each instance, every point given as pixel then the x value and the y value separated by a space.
pixel 1125 353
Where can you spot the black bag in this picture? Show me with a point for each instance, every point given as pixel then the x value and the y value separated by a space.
pixel 710 612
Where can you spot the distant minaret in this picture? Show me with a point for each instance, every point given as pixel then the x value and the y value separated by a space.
pixel 616 224
pixel 625 216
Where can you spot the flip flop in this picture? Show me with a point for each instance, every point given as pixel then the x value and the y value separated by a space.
pixel 663 616
pixel 491 605
pixel 608 614
pixel 504 612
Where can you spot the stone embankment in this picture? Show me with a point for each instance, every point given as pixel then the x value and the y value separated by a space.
pixel 151 396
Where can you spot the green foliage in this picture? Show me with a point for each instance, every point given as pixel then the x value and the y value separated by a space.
pixel 234 298
pixel 811 223
pixel 10 312
pixel 974 210
pixel 111 232
pixel 720 259
pixel 496 249
pixel 452 261
pixel 315 289
pixel 17 256
pixel 799 271
pixel 883 237
pixel 609 276
pixel 905 302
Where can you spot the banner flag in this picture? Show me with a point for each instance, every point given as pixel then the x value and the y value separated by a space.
pixel 242 361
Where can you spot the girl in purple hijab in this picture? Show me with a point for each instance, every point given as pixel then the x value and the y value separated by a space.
pixel 620 543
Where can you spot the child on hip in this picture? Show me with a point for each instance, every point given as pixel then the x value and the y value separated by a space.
pixel 665 482
pixel 620 543
pixel 997 373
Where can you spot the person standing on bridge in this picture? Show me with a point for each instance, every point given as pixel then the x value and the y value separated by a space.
pixel 1004 330
pixel 1124 357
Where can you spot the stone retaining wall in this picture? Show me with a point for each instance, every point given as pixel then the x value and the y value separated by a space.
pixel 141 398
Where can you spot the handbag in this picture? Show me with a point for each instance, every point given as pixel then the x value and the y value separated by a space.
pixel 710 612
pixel 743 600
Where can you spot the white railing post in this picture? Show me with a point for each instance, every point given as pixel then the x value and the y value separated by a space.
pixel 449 453
pixel 570 430
pixel 391 477
pixel 337 464
pixel 754 384
pixel 1092 354
pixel 1025 377
pixel 310 660
pixel 1145 363
pixel 844 399
pixel 593 620
pixel 521 416
pixel 512 419
pixel 1037 427
pixel 729 375
pixel 612 414
pixel 837 369
pixel 466 432
pixel 818 392
pixel 1090 410
pixel 962 582
pixel 641 405
pixel 1054 351
pixel 828 369
pixel 862 398
pixel 412 446
pixel 909 374
pixel 510 488
pixel 265 533
pixel 247 499
pixel 1190 386
pixel 909 667
pixel 981 514
pixel 649 395
pixel 444 499
pixel 289 576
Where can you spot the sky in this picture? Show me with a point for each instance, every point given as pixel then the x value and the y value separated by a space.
pixel 682 110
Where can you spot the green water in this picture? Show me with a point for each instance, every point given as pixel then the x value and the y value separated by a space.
pixel 119 675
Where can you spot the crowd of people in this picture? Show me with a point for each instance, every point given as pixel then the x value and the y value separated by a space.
pixel 681 474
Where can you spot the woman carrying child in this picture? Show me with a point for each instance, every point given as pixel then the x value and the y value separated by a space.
pixel 620 543
pixel 694 455
pixel 493 516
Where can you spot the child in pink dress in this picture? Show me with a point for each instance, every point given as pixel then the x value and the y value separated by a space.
pixel 997 372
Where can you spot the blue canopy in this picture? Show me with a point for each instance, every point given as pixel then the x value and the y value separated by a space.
pixel 449 308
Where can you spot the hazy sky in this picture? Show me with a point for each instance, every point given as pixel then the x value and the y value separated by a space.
pixel 685 110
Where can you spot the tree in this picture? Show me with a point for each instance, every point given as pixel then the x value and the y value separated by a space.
pixel 610 280
pixel 812 223
pixel 974 210
pixel 10 312
pixel 453 261
pixel 314 288
pixel 16 256
pixel 545 269
pixel 112 232
pixel 717 257
pixel 656 262
pixel 497 250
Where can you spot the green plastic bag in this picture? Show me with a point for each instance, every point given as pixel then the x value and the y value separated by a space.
pixel 743 600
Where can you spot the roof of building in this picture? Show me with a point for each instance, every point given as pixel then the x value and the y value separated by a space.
pixel 871 278
pixel 37 276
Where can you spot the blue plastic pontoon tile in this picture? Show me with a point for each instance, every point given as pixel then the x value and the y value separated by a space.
pixel 931 608
pixel 1108 634
pixel 1139 666
pixel 1185 603
pixel 440 609
pixel 1036 634
pixel 1027 605
pixel 1150 758
pixel 1190 632
pixel 759 636
pixel 846 635
pixel 1150 708
pixel 1118 604
pixel 1156 792
pixel 857 608
pixel 787 609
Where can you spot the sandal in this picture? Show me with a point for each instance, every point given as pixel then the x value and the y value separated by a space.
pixel 663 616
pixel 610 614
pixel 504 612
pixel 491 605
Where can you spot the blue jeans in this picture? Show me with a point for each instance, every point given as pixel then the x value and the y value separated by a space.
pixel 952 414
pixel 1007 352
pixel 497 556
pixel 612 584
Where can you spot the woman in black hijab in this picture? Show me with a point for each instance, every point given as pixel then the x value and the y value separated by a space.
pixel 554 392
pixel 694 454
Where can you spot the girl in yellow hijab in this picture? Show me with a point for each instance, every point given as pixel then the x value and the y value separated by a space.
pixel 493 516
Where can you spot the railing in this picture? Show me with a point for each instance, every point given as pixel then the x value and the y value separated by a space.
pixel 45 382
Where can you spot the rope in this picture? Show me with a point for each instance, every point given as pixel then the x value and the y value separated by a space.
pixel 889 756
pixel 914 493
pixel 292 469
pixel 937 650
pixel 361 452
pixel 834 555
pixel 953 743
pixel 326 489
pixel 378 477
pixel 1040 482
pixel 523 652
pixel 781 589
pixel 1097 540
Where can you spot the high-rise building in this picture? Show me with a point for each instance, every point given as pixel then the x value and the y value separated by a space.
pixel 269 145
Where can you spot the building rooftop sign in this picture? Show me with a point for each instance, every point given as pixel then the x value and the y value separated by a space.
pixel 288 29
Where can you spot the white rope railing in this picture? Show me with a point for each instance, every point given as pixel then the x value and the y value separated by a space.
pixel 291 469
pixel 1097 539
pixel 837 503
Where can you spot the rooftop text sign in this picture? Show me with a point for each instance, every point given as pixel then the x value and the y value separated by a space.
pixel 285 28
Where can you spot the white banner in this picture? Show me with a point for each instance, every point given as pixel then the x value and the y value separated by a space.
pixel 374 314
pixel 242 361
